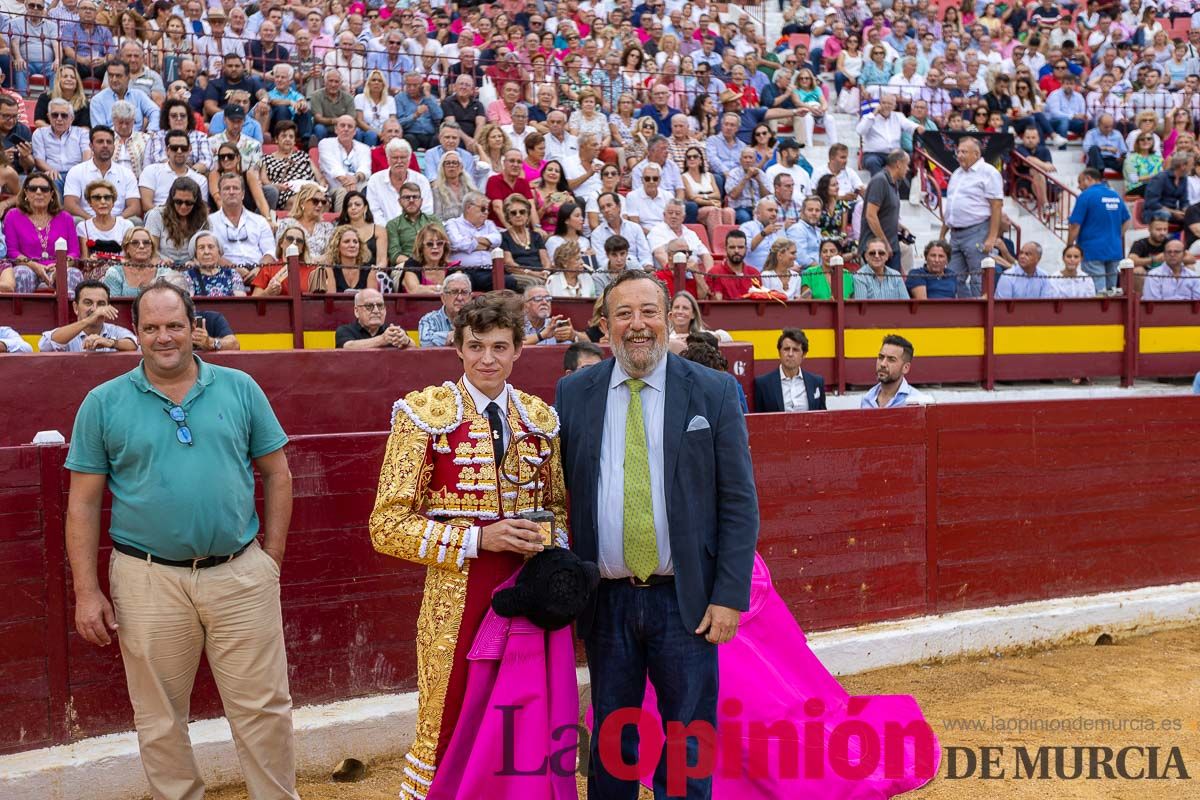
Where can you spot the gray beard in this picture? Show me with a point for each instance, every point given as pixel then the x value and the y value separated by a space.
pixel 656 354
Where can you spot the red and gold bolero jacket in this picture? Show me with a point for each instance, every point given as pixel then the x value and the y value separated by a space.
pixel 438 480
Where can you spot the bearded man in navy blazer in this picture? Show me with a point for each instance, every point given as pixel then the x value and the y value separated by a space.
pixel 790 388
pixel 662 495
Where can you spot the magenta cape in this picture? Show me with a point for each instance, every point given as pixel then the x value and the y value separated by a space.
pixel 769 676
pixel 513 663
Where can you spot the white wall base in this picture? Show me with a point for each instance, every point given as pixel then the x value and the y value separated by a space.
pixel 108 767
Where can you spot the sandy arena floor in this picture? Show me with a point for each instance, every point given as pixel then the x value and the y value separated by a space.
pixel 1146 678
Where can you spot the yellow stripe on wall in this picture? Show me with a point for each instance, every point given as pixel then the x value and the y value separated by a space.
pixel 319 340
pixel 265 341
pixel 864 342
pixel 1163 339
pixel 1051 339
pixel 820 342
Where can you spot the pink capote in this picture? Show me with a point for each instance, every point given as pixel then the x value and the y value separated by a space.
pixel 768 670
pixel 513 662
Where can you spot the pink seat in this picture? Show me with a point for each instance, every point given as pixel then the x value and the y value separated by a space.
pixel 719 234
pixel 701 232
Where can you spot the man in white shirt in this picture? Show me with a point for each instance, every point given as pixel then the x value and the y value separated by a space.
pixel 611 224
pixel 93 330
pixel 658 152
pixel 559 143
pixel 647 202
pixel 244 236
pixel 583 169
pixel 761 232
pixel 850 185
pixel 906 83
pixel 520 128
pixel 344 161
pixel 881 131
pixel 61 145
pixel 128 202
pixel 790 388
pixel 672 228
pixel 383 188
pixel 788 163
pixel 11 341
pixel 346 60
pixel 973 205
pixel 156 179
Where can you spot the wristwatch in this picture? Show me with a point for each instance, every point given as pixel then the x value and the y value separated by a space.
pixel 216 343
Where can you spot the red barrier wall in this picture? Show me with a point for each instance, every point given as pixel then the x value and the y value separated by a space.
pixel 866 515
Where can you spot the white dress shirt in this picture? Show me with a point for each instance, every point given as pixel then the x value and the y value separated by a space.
pixel 882 134
pixel 13 341
pixel 481 400
pixel 648 210
pixel 795 395
pixel 661 235
pixel 121 177
pixel 639 248
pixel 159 178
pixel 336 162
pixel 247 241
pixel 557 150
pixel 969 194
pixel 610 489
pixel 384 199
pixel 109 331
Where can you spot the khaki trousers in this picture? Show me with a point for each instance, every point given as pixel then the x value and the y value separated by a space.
pixel 167 617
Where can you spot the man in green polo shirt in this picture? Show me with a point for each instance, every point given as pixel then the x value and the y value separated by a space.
pixel 176 441
pixel 402 231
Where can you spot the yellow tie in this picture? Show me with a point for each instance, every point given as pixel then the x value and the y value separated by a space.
pixel 641 546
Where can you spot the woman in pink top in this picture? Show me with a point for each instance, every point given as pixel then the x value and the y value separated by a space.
pixel 31 230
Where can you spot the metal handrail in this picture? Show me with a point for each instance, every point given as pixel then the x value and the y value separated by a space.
pixel 1060 199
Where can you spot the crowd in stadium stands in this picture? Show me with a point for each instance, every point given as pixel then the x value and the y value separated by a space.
pixel 394 144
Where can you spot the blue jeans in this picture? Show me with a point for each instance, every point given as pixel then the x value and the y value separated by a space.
pixel 35 68
pixel 874 162
pixel 743 215
pixel 1104 273
pixel 639 633
pixel 1064 125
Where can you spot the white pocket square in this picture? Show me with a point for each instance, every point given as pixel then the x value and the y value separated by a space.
pixel 816 393
pixel 697 424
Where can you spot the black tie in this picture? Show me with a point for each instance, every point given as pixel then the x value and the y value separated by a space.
pixel 493 413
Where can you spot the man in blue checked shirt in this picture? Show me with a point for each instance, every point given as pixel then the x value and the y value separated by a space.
pixel 437 327
pixel 145 113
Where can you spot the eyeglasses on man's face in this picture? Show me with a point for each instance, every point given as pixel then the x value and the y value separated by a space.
pixel 179 148
pixel 371 306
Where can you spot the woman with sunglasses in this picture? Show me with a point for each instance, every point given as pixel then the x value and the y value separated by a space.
pixel 207 277
pixel 610 181
pixel 426 268
pixel 644 130
pixel 850 64
pixel 229 159
pixel 102 235
pixel 31 230
pixel 140 267
pixel 523 244
pixel 1141 164
pixel 1180 123
pixel 308 213
pixel 272 279
pixel 762 140
pixel 450 187
pixel 67 86
pixel 700 187
pixel 357 214
pixel 175 222
pixel 345 266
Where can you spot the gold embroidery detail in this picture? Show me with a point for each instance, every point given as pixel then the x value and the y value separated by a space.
pixel 437 636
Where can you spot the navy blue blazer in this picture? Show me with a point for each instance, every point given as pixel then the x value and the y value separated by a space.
pixel 712 503
pixel 768 391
